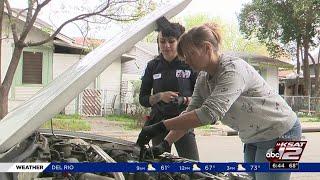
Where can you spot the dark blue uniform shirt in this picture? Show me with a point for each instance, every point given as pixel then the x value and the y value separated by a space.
pixel 160 76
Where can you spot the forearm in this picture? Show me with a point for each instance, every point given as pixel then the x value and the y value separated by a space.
pixel 174 135
pixel 183 122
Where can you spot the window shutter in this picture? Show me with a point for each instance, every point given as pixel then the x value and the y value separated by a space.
pixel 32 68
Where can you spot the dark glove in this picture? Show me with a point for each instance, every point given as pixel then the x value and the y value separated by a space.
pixel 179 100
pixel 149 132
pixel 159 149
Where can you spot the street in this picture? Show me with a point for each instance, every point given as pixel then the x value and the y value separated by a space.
pixel 229 149
pixel 218 148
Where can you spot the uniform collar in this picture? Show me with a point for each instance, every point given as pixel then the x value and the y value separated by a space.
pixel 175 60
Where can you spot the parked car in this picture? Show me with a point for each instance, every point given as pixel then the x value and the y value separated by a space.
pixel 47 145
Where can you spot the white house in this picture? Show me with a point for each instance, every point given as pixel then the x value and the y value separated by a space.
pixel 288 82
pixel 142 53
pixel 41 64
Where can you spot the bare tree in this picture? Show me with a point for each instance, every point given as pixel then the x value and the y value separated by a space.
pixel 316 68
pixel 296 88
pixel 108 9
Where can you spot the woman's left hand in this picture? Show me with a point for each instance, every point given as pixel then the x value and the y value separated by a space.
pixel 149 132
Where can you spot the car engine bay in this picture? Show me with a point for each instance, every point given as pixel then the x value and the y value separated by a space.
pixel 74 147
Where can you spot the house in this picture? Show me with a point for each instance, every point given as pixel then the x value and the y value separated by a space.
pixel 42 64
pixel 289 79
pixel 132 69
pixel 141 54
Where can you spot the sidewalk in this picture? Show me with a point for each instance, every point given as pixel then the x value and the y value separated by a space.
pixel 114 129
pixel 224 130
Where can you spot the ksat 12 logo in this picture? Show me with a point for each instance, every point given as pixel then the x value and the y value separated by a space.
pixel 286 151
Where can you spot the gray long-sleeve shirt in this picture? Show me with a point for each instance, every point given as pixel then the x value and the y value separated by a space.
pixel 238 96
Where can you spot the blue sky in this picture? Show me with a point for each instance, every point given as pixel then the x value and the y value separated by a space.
pixel 224 9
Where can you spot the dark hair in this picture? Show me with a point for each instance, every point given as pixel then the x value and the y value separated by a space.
pixel 169 29
pixel 195 37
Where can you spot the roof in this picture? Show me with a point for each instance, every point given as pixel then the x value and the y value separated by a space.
pixel 150 48
pixel 294 76
pixel 40 24
pixel 256 59
pixel 285 73
pixel 65 44
pixel 23 14
pixel 90 42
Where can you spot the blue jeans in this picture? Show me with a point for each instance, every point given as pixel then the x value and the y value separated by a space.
pixel 256 152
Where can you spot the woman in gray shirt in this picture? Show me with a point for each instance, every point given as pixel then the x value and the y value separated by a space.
pixel 232 91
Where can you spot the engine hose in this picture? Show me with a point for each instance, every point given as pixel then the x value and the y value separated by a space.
pixel 27 153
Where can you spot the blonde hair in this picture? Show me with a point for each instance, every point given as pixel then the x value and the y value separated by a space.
pixel 195 37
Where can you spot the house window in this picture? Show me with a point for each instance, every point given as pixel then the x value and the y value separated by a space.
pixel 32 68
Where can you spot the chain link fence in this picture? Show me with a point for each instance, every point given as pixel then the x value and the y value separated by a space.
pixel 304 104
pixel 127 102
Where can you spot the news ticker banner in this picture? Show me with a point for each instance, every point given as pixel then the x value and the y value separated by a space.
pixel 161 167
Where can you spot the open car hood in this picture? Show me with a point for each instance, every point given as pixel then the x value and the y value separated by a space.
pixel 24 120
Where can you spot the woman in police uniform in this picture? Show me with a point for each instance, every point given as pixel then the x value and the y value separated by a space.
pixel 171 82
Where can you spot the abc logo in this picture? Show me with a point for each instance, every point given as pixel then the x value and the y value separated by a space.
pixel 272 155
pixel 286 151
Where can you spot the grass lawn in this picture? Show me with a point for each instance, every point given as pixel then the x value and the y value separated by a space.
pixel 68 122
pixel 309 119
pixel 131 123
pixel 126 121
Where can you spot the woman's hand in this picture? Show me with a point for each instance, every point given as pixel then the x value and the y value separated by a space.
pixel 168 96
pixel 149 132
pixel 159 149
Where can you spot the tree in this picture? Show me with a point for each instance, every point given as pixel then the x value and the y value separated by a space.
pixel 117 10
pixel 316 67
pixel 280 23
pixel 1 18
pixel 233 40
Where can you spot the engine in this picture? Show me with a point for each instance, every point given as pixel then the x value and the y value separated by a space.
pixel 42 147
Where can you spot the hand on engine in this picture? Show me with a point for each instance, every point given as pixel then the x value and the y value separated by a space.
pixel 159 149
pixel 149 132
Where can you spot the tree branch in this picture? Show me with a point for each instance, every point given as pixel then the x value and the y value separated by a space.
pixel 84 36
pixel 5 37
pixel 312 59
pixel 79 17
pixel 28 25
pixel 123 18
pixel 96 22
pixel 12 23
pixel 37 1
pixel 44 3
pixel 20 12
pixel 32 18
pixel 29 13
pixel 1 20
